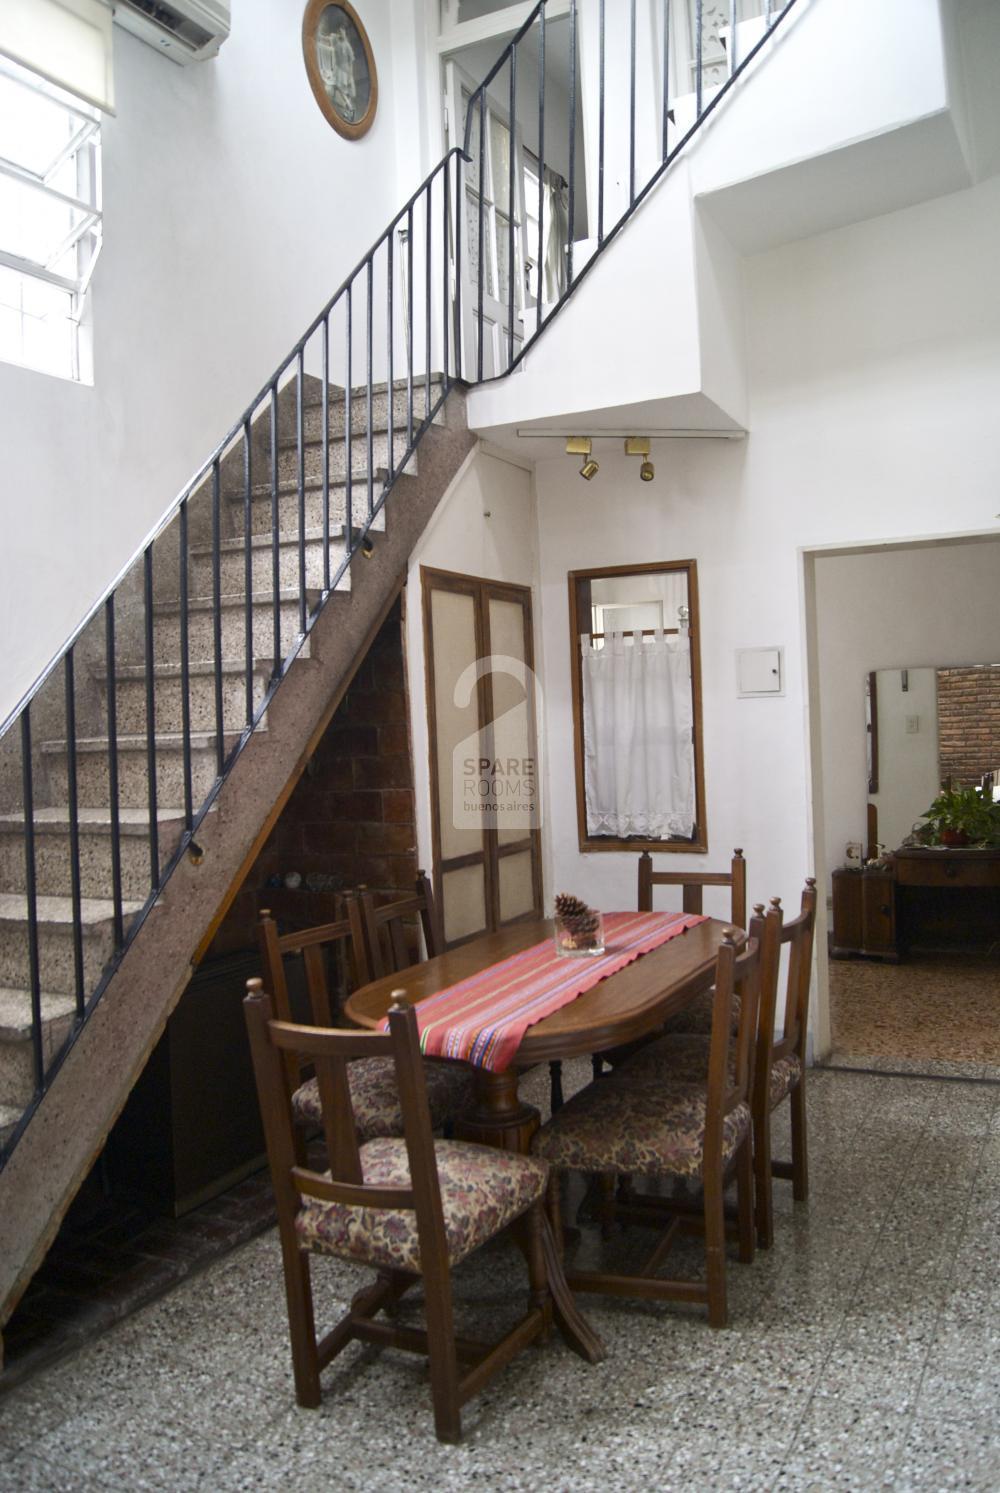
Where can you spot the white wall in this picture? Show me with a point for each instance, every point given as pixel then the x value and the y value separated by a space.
pixel 484 526
pixel 874 363
pixel 232 212
pixel 891 609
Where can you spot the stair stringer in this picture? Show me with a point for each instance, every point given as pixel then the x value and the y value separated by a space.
pixel 73 1119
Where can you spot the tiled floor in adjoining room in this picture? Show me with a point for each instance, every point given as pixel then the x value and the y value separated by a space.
pixel 863 1352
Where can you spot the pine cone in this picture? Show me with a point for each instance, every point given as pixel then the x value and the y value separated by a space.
pixel 568 906
pixel 579 921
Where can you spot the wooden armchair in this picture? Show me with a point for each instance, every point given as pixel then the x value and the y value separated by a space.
pixel 411 1208
pixel 780 1066
pixel 660 1128
pixel 387 948
pixel 376 1099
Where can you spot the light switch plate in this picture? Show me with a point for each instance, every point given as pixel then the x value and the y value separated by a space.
pixel 760 671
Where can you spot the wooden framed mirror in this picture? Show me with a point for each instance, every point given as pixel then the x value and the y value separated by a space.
pixel 637 722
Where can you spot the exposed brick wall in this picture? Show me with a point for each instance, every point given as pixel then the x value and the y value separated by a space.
pixel 351 816
pixel 968 723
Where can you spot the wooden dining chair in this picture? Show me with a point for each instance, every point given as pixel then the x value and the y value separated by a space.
pixel 780 1065
pixel 669 1131
pixel 697 1014
pixel 376 1099
pixel 388 949
pixel 410 1207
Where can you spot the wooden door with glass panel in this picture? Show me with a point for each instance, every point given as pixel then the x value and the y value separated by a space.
pixel 483 752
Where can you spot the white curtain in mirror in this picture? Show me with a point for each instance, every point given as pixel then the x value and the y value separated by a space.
pixel 638 742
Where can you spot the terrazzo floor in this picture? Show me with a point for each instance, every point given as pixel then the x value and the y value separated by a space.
pixel 941 1013
pixel 863 1352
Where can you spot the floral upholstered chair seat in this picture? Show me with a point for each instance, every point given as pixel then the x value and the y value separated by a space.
pixel 696 1016
pixel 375 1097
pixel 482 1190
pixel 646 1129
pixel 682 1057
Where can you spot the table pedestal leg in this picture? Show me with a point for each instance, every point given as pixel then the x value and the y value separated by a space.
pixel 500 1118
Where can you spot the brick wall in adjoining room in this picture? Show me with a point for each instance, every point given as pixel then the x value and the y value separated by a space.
pixel 351 816
pixel 968 723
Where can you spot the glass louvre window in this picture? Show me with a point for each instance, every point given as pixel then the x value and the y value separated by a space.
pixel 50 220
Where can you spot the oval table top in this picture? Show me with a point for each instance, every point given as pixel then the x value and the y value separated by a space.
pixel 626 1005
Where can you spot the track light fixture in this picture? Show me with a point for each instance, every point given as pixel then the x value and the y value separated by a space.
pixel 366 547
pixel 580 445
pixel 638 445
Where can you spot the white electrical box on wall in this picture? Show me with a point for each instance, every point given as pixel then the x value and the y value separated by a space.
pixel 760 671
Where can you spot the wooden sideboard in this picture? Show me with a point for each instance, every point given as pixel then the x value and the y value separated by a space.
pixel 921 897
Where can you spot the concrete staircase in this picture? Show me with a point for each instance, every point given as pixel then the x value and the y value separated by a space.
pixel 74 1116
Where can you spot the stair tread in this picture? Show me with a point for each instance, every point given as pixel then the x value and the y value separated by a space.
pixel 263 541
pixel 232 599
pixel 200 741
pixel 200 667
pixel 131 821
pixel 15 1012
pixel 359 481
pixel 93 910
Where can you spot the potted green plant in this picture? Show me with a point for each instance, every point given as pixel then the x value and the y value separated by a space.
pixel 961 816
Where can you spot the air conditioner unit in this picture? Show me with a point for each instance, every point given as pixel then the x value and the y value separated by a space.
pixel 183 30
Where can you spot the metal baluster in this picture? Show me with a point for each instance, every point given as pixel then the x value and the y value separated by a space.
pixel 767 15
pixel 540 271
pixel 275 545
pixel 185 668
pixel 445 286
pixel 459 189
pixel 697 58
pixel 389 339
pixel 732 37
pixel 74 834
pixel 482 220
pixel 409 325
pixel 370 437
pixel 428 252
pixel 348 458
pixel 631 106
pixel 602 60
pixel 247 574
pixel 220 744
pixel 572 142
pixel 31 901
pixel 300 477
pixel 154 837
pixel 666 76
pixel 326 453
pixel 113 795
pixel 511 267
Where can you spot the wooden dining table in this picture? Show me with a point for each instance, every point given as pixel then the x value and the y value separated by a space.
pixel 625 1006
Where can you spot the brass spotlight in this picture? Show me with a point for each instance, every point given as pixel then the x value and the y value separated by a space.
pixel 580 445
pixel 366 547
pixel 638 445
pixel 195 853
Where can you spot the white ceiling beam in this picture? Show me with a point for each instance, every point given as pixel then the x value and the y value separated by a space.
pixel 500 26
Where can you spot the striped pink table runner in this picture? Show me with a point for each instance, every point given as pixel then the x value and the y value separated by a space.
pixel 482 1019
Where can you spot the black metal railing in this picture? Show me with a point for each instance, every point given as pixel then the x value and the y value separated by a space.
pixel 271 522
pixel 570 203
pixel 175 666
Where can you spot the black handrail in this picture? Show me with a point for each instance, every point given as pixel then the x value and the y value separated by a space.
pixel 254 448
pixel 625 106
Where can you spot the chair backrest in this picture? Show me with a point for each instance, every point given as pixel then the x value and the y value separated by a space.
pixel 694 883
pixel 388 950
pixel 272 1043
pixel 730 1056
pixel 344 939
pixel 798 936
